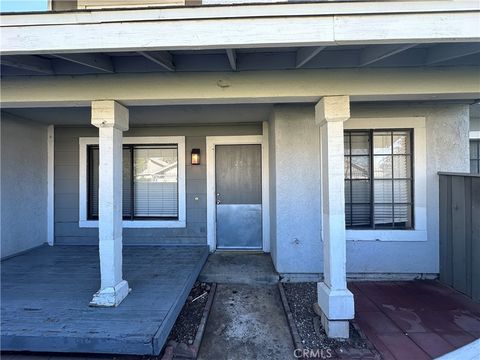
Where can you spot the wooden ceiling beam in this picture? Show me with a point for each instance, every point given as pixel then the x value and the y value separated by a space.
pixel 31 63
pixel 95 61
pixel 304 55
pixel 162 58
pixel 372 54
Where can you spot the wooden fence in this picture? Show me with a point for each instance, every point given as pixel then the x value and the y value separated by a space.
pixel 460 232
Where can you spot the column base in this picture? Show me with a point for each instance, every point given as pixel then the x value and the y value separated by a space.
pixel 338 329
pixel 336 304
pixel 336 307
pixel 110 296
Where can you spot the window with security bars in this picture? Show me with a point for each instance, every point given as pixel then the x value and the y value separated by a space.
pixel 150 182
pixel 475 156
pixel 378 170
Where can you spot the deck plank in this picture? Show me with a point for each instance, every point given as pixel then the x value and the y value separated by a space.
pixel 45 296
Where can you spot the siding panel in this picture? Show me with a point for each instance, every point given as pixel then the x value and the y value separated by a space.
pixel 460 232
pixel 475 254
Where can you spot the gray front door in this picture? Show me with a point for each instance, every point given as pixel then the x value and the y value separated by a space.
pixel 238 181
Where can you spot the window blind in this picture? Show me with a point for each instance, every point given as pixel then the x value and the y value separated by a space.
pixel 156 182
pixel 150 181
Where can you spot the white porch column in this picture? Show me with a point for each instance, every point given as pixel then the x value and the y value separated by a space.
pixel 334 299
pixel 111 118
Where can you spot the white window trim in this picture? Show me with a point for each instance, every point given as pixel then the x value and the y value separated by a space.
pixel 83 193
pixel 419 178
pixel 474 134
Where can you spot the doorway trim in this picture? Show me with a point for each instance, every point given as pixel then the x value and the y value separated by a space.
pixel 213 141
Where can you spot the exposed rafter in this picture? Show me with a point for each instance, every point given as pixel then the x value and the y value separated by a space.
pixel 31 63
pixel 445 52
pixel 162 58
pixel 95 61
pixel 232 58
pixel 372 54
pixel 304 55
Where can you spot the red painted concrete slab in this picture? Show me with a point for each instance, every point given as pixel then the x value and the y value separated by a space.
pixel 377 322
pixel 415 319
pixel 458 339
pixel 380 346
pixel 433 344
pixel 362 304
pixel 407 320
pixel 402 347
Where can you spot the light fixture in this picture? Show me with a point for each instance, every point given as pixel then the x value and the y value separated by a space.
pixel 195 156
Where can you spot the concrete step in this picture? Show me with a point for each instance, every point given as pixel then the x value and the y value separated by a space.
pixel 239 279
pixel 239 268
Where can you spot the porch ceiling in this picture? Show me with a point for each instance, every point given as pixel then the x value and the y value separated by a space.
pixel 246 59
pixel 243 37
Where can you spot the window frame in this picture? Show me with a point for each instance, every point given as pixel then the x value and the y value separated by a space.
pixel 419 175
pixel 180 222
pixel 475 141
pixel 131 148
pixel 371 161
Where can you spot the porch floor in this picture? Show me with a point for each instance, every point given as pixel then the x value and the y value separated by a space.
pixel 46 292
pixel 415 319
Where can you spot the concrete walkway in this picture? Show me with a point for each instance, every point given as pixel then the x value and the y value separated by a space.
pixel 247 322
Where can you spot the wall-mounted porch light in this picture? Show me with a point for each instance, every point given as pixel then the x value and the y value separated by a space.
pixel 195 156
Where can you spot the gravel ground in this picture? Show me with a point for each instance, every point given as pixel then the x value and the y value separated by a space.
pixel 301 297
pixel 187 323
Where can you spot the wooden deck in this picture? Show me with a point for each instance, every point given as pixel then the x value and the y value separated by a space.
pixel 45 296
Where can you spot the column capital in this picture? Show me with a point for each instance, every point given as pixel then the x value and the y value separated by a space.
pixel 332 108
pixel 109 113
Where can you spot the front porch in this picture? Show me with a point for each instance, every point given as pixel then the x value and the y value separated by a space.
pixel 46 292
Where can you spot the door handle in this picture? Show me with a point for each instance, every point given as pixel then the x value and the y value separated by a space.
pixel 218 199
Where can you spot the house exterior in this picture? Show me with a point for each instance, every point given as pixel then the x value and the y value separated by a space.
pixel 310 131
pixel 475 139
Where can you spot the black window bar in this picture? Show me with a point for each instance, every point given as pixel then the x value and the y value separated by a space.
pixel 351 205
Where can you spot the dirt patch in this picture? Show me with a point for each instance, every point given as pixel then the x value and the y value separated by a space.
pixel 186 326
pixel 301 297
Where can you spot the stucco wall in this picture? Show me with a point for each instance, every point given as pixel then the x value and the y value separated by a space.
pixel 296 185
pixel 272 189
pixel 67 230
pixel 296 140
pixel 23 184
pixel 447 150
